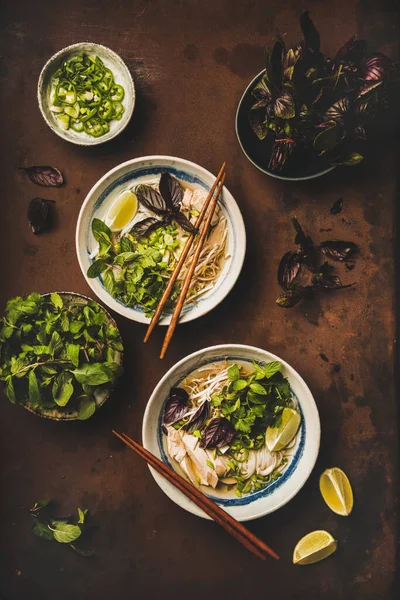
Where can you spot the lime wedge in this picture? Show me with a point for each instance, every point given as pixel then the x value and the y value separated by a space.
pixel 336 491
pixel 313 547
pixel 122 211
pixel 277 438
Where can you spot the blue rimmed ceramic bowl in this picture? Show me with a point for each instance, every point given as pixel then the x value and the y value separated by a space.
pixel 132 173
pixel 304 452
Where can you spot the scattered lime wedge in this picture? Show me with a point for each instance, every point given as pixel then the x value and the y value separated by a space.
pixel 336 491
pixel 122 211
pixel 277 438
pixel 314 547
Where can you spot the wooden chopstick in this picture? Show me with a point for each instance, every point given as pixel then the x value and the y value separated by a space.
pixel 182 258
pixel 189 275
pixel 236 529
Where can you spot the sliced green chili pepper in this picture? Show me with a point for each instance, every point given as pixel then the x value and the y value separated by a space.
pixel 117 93
pixel 84 95
pixel 76 125
pixel 93 127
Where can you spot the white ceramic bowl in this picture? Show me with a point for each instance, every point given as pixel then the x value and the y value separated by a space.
pixel 132 173
pixel 122 77
pixel 305 452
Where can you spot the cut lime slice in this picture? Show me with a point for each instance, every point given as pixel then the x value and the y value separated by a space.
pixel 313 547
pixel 276 438
pixel 336 491
pixel 122 211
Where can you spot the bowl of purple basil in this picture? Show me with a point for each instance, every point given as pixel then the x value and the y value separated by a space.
pixel 306 114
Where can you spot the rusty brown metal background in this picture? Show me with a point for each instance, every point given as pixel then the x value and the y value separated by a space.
pixel 191 60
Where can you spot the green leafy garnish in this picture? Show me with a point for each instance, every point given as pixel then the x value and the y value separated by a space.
pixel 56 353
pixel 61 530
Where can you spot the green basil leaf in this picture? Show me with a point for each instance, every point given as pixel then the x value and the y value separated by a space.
pixel 97 267
pixel 56 300
pixel 272 368
pixel 98 227
pixel 86 409
pixel 259 389
pixel 239 384
pixel 33 387
pixel 233 372
pixel 63 389
pixel 81 515
pixel 76 326
pixel 55 343
pixel 10 390
pixel 41 530
pixel 109 281
pixel 73 353
pixel 93 374
pixel 65 533
pixel 126 244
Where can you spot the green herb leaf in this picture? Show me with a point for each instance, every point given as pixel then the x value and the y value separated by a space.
pixel 81 515
pixel 94 373
pixel 33 386
pixel 257 388
pixel 63 388
pixel 73 353
pixel 41 530
pixel 86 409
pixel 97 267
pixel 10 390
pixel 210 464
pixel 233 372
pixel 65 533
pixel 56 300
pixel 81 551
pixel 239 384
pixel 271 368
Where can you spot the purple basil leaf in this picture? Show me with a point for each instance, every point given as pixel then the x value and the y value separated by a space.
pixel 151 199
pixel 281 150
pixel 338 110
pixel 218 432
pixel 146 226
pixel 293 295
pixel 308 254
pixel 310 32
pixel 288 268
pixel 45 176
pixel 328 282
pixel 261 92
pixel 284 107
pixel 275 62
pixel 171 190
pixel 352 51
pixel 176 406
pixel 378 67
pixel 39 214
pixel 258 123
pixel 184 222
pixel 338 250
pixel 198 419
pixel 289 63
pixel 337 207
pixel 327 139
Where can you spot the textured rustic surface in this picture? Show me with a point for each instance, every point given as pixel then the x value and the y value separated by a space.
pixel 191 60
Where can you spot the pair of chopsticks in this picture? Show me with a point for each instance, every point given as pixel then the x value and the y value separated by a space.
pixel 211 203
pixel 236 529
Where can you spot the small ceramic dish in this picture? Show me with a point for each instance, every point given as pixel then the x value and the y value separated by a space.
pixel 304 453
pixel 71 415
pixel 122 77
pixel 140 170
pixel 258 151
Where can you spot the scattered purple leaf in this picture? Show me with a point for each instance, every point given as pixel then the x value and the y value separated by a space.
pixel 40 214
pixel 338 250
pixel 337 207
pixel 218 432
pixel 288 268
pixel 176 406
pixel 45 176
